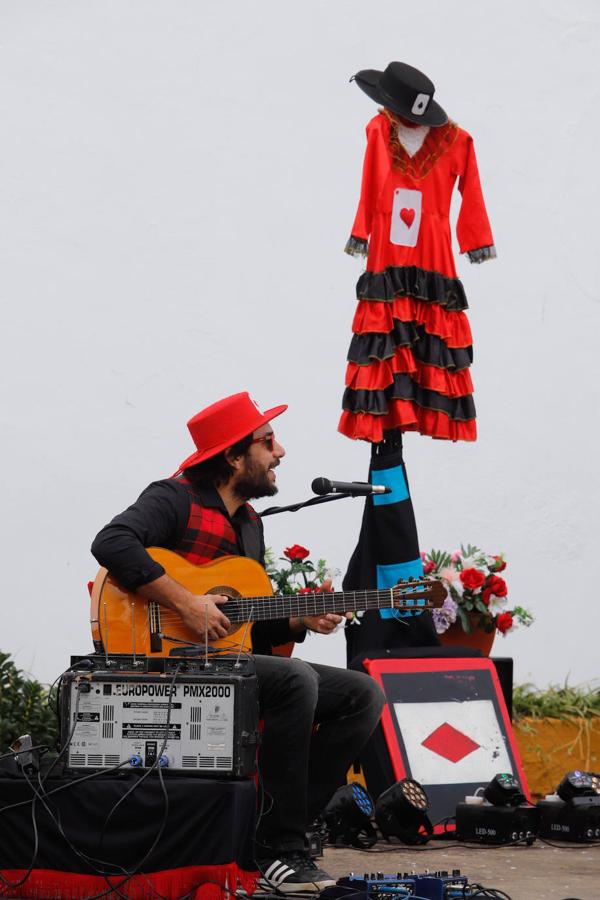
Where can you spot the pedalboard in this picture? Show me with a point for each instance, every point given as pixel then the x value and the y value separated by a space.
pixel 188 715
pixel 441 885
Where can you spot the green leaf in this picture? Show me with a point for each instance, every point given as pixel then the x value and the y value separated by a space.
pixel 464 620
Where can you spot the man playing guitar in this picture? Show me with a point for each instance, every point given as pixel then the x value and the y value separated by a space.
pixel 202 513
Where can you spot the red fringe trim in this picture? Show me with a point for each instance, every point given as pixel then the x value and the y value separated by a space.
pixel 209 882
pixel 379 375
pixel 377 316
pixel 406 416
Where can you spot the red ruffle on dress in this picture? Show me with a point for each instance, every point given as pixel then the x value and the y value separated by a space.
pixel 409 359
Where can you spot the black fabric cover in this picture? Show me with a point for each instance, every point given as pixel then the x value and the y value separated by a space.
pixel 209 822
pixel 388 535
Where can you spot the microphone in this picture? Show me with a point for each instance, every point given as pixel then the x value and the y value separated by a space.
pixel 356 488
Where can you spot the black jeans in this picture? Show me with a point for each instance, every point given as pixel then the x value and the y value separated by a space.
pixel 301 766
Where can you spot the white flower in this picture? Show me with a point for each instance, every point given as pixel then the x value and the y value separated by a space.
pixel 496 603
pixel 449 574
pixel 357 616
pixel 458 586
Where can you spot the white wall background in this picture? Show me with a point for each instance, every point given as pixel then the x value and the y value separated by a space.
pixel 177 182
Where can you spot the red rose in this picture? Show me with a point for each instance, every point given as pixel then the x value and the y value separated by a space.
pixel 485 596
pixel 296 552
pixel 504 622
pixel 429 567
pixel 306 590
pixel 472 579
pixel 498 565
pixel 496 586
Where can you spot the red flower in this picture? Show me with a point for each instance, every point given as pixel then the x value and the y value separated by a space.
pixel 306 590
pixel 504 622
pixel 296 552
pixel 429 567
pixel 497 586
pixel 472 579
pixel 498 565
pixel 485 597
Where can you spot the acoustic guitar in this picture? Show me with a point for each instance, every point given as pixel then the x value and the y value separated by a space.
pixel 123 622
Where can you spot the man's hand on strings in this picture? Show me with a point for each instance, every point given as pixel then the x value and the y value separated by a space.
pixel 324 624
pixel 205 616
pixel 200 612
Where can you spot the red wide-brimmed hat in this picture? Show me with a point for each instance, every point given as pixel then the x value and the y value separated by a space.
pixel 225 423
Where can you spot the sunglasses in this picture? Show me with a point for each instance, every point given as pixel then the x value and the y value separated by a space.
pixel 268 440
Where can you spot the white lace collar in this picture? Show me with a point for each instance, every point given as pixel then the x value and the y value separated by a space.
pixel 412 139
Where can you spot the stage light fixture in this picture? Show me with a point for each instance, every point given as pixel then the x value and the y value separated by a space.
pixel 500 816
pixel 577 784
pixel 504 790
pixel 573 812
pixel 347 817
pixel 401 812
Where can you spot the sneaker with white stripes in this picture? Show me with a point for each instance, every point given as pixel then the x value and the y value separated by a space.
pixel 293 873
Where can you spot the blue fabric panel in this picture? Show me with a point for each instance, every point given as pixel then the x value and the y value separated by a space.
pixel 388 576
pixel 394 479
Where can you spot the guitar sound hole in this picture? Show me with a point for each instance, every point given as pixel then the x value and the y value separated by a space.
pixel 226 591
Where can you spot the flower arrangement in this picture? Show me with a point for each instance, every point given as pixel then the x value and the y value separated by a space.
pixel 299 575
pixel 474 587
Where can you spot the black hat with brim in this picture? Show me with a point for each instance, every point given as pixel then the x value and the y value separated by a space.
pixel 405 90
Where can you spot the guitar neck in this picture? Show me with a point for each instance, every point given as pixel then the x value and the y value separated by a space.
pixel 414 595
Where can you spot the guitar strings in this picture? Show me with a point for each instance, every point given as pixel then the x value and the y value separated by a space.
pixel 237 609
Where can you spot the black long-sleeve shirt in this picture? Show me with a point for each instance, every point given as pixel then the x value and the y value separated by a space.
pixel 159 518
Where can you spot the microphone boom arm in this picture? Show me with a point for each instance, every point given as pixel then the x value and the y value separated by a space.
pixel 294 507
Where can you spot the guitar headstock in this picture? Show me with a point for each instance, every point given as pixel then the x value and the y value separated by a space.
pixel 419 594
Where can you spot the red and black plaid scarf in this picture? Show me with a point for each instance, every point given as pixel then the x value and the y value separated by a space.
pixel 209 532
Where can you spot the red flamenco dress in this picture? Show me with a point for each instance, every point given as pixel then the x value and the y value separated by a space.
pixel 409 359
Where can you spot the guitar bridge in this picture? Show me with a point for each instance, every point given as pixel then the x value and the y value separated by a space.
pixel 155 635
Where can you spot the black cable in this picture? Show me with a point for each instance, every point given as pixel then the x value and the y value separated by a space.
pixel 571 845
pixel 134 787
pixel 128 875
pixel 242 895
pixel 67 743
pixel 43 795
pixel 36 843
pixel 494 893
pixel 89 860
pixel 405 847
pixel 70 784
pixel 28 750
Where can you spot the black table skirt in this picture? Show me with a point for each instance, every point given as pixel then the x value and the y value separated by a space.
pixel 207 839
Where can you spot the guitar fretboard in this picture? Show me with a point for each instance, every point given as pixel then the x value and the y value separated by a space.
pixel 280 606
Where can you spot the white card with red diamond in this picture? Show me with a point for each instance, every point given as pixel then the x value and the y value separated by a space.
pixel 445 725
pixel 406 217
pixel 452 743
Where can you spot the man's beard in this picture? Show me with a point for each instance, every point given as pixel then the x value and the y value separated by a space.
pixel 255 484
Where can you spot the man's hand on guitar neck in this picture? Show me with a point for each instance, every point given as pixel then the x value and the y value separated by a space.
pixel 323 624
pixel 197 612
